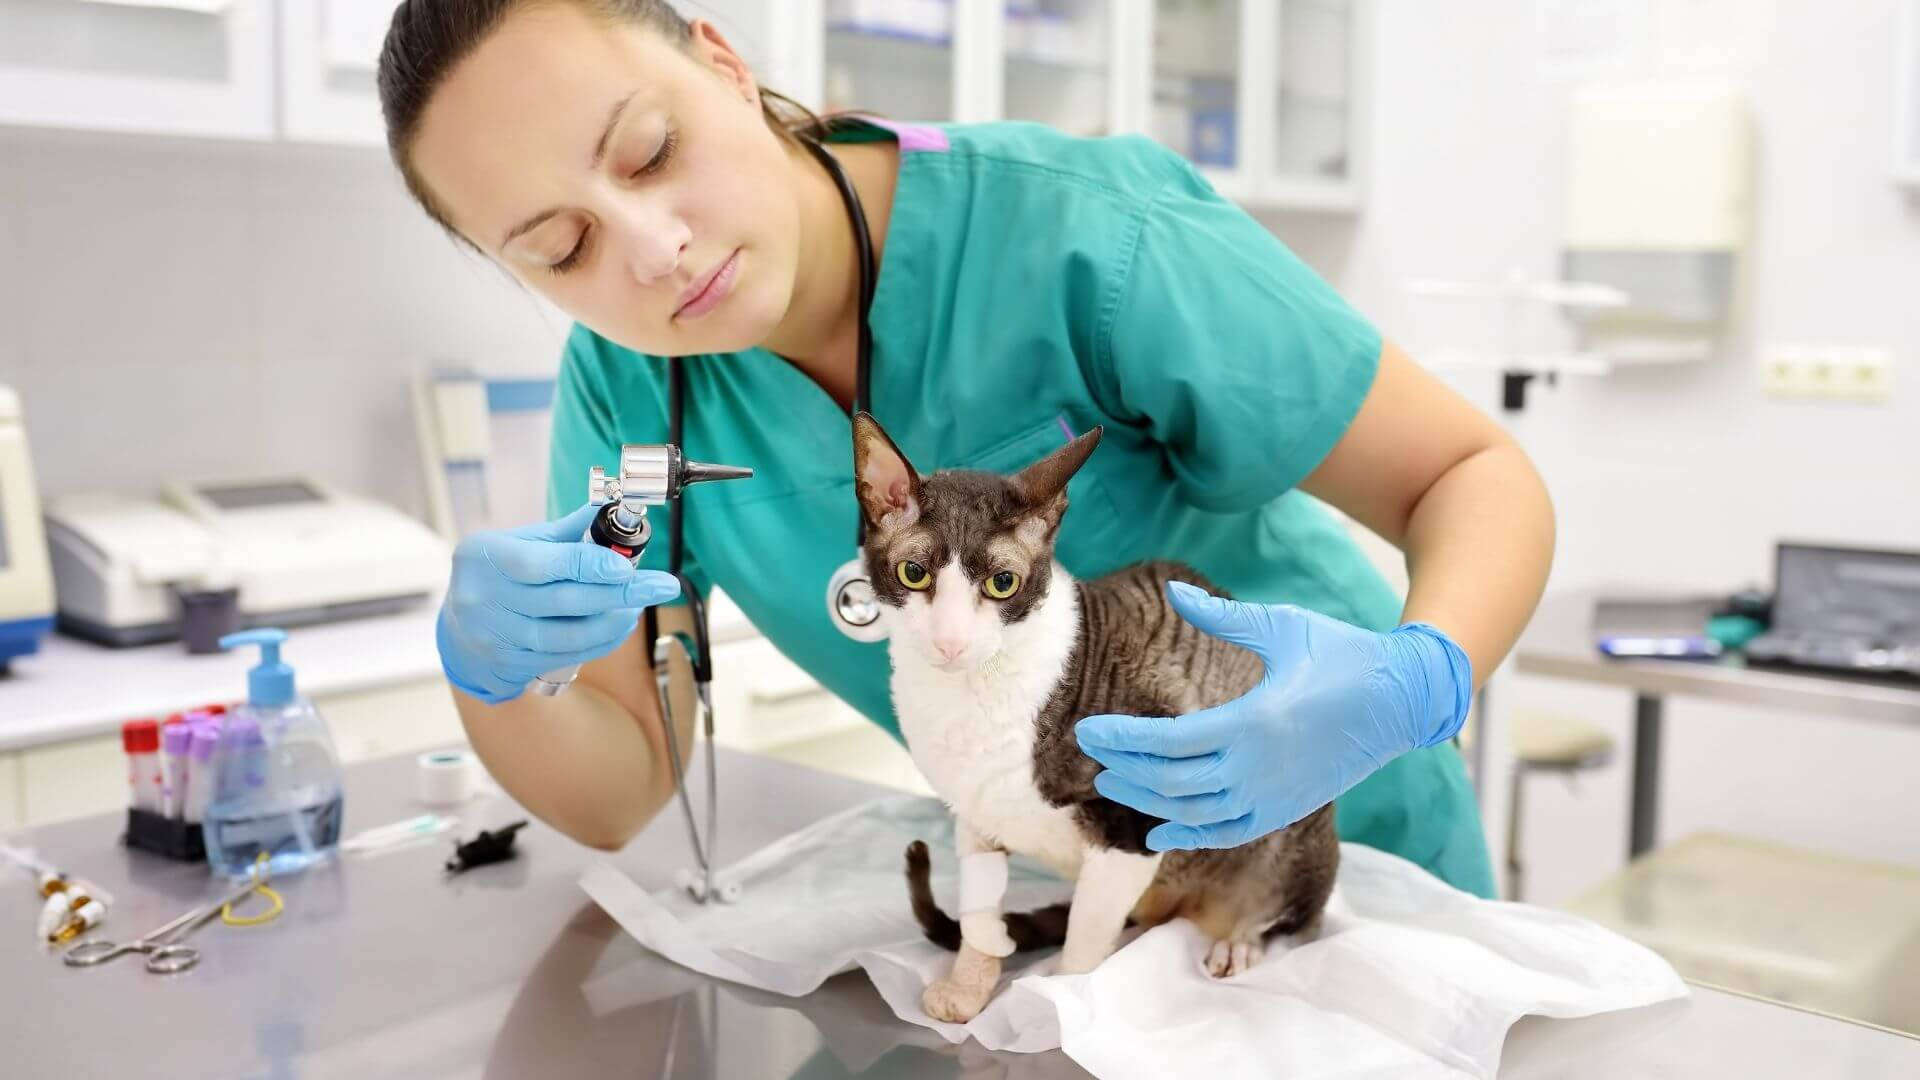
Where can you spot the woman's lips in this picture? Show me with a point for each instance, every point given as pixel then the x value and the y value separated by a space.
pixel 705 294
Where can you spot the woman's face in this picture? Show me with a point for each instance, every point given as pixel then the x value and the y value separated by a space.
pixel 633 184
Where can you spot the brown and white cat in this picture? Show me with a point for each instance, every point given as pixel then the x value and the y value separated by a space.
pixel 997 653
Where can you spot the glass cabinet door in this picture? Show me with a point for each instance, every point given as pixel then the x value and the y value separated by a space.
pixel 186 68
pixel 1312 128
pixel 1058 64
pixel 1196 80
pixel 893 56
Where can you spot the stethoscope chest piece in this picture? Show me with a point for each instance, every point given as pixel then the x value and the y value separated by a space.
pixel 851 605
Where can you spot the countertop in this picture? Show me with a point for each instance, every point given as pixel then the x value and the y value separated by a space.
pixel 383 966
pixel 72 689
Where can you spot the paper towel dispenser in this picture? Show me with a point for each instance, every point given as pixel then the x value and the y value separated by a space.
pixel 1659 204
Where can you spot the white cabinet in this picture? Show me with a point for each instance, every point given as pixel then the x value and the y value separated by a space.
pixel 185 68
pixel 12 807
pixel 1268 98
pixel 329 52
pixel 72 779
pixel 57 781
pixel 1064 63
pixel 905 53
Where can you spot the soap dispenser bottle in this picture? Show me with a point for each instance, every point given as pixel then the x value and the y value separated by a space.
pixel 277 787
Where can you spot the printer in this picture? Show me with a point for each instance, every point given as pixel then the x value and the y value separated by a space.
pixel 298 552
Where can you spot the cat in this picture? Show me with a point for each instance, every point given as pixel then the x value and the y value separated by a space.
pixel 996 654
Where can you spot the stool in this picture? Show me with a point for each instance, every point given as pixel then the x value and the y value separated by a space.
pixel 1546 742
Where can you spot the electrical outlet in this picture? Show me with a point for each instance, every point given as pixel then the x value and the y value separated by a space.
pixel 1783 372
pixel 1834 372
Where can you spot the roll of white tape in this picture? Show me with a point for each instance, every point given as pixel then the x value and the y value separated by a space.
pixel 447 777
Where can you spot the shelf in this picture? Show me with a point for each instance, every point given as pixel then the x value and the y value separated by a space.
pixel 893 34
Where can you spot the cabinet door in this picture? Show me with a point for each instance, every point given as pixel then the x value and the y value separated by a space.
pixel 1063 63
pixel 1267 98
pixel 12 810
pixel 1195 85
pixel 1318 104
pixel 898 58
pixel 174 67
pixel 329 51
pixel 73 779
pixel 400 719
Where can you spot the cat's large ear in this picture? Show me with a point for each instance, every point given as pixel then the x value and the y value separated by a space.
pixel 882 476
pixel 1043 484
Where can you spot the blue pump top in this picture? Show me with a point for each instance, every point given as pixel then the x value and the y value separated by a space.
pixel 270 682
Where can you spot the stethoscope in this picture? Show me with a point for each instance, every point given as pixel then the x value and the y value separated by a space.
pixel 851 604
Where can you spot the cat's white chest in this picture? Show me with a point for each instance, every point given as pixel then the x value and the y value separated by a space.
pixel 979 760
pixel 972 737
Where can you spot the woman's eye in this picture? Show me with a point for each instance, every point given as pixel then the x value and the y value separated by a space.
pixel 660 156
pixel 1002 585
pixel 572 258
pixel 913 575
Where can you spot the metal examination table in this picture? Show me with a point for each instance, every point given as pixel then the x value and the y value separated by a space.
pixel 383 967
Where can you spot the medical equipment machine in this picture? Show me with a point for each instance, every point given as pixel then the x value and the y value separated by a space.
pixel 165 955
pixel 26 576
pixel 299 551
pixel 1843 609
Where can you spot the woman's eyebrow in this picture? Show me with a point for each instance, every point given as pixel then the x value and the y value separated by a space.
pixel 599 155
pixel 613 120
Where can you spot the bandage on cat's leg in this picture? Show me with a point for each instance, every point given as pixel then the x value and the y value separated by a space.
pixel 983 884
pixel 960 996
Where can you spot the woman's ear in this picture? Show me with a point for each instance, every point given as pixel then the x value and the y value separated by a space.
pixel 885 480
pixel 711 47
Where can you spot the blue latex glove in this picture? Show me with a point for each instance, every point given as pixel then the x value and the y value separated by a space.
pixel 1337 703
pixel 525 601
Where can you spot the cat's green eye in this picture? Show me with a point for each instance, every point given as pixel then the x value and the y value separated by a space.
pixel 1002 585
pixel 913 575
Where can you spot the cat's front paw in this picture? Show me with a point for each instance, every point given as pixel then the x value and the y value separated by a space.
pixel 1230 958
pixel 955 1001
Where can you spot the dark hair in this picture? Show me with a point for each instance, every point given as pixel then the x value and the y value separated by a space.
pixel 428 38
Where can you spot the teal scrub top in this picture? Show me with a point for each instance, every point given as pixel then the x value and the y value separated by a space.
pixel 1033 285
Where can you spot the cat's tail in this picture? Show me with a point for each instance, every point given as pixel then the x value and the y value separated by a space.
pixel 1038 929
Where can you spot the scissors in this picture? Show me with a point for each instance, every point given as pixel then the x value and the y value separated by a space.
pixel 165 956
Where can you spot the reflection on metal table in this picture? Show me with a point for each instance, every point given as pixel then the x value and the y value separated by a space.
pixel 383 966
pixel 1559 643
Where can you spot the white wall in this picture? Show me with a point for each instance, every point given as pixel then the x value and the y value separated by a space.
pixel 1681 477
pixel 173 309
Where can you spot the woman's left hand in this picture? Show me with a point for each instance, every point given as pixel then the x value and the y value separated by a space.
pixel 1336 704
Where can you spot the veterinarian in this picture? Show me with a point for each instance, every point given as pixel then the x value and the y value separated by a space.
pixel 625 165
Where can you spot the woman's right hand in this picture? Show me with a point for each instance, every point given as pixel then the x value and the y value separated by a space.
pixel 522 602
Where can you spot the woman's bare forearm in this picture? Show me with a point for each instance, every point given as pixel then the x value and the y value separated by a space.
pixel 1479 544
pixel 590 762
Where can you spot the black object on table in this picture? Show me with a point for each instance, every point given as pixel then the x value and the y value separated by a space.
pixel 488 847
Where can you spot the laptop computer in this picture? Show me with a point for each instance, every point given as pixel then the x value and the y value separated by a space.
pixel 1853 610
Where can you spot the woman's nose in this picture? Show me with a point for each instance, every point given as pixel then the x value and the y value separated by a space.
pixel 654 244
